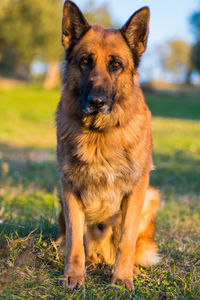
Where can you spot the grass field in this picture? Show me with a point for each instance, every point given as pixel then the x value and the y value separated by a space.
pixel 30 263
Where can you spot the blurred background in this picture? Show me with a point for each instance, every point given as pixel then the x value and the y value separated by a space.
pixel 30 46
pixel 31 60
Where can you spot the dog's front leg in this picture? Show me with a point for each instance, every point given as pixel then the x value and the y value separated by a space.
pixel 75 254
pixel 132 209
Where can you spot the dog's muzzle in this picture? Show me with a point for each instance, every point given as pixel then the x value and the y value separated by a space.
pixel 96 103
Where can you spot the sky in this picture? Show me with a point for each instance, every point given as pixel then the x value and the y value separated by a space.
pixel 169 20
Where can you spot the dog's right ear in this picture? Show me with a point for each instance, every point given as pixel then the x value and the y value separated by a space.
pixel 74 24
pixel 135 32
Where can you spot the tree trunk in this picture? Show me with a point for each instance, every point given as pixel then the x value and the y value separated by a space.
pixel 52 78
pixel 188 77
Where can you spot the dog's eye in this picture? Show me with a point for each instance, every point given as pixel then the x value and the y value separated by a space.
pixel 116 65
pixel 84 61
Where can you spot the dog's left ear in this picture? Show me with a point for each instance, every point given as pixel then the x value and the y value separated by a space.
pixel 136 30
pixel 74 24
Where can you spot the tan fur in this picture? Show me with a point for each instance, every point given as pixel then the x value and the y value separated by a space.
pixel 108 210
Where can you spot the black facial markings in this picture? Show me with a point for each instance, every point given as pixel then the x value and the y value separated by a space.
pixel 86 61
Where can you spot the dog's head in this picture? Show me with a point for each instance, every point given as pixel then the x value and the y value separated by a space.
pixel 102 62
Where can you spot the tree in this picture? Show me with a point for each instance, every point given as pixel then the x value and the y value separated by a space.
pixel 18 19
pixel 176 58
pixel 195 54
pixel 195 22
pixel 29 29
pixel 98 15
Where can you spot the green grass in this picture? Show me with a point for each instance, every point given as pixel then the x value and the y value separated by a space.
pixel 27 116
pixel 30 263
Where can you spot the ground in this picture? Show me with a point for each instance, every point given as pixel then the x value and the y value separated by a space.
pixel 30 263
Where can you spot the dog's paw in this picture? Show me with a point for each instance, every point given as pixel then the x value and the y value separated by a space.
pixel 73 281
pixel 123 281
pixel 74 276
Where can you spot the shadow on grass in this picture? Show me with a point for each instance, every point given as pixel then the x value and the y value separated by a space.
pixel 37 169
pixel 28 168
pixel 178 174
pixel 29 190
pixel 30 183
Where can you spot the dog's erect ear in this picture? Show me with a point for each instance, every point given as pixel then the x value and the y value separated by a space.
pixel 136 30
pixel 74 24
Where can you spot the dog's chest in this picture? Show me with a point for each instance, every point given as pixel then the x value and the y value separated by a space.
pixel 101 189
pixel 101 178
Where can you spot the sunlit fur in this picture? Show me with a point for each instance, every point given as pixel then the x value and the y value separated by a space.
pixel 103 158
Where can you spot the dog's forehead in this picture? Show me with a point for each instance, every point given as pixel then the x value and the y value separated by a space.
pixel 110 40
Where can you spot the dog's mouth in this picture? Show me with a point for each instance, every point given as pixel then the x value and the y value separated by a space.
pixel 89 110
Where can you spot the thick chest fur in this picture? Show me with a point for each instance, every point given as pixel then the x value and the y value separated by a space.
pixel 102 169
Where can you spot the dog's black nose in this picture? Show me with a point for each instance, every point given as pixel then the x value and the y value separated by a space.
pixel 95 100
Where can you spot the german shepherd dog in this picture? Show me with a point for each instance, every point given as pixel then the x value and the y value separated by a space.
pixel 104 150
